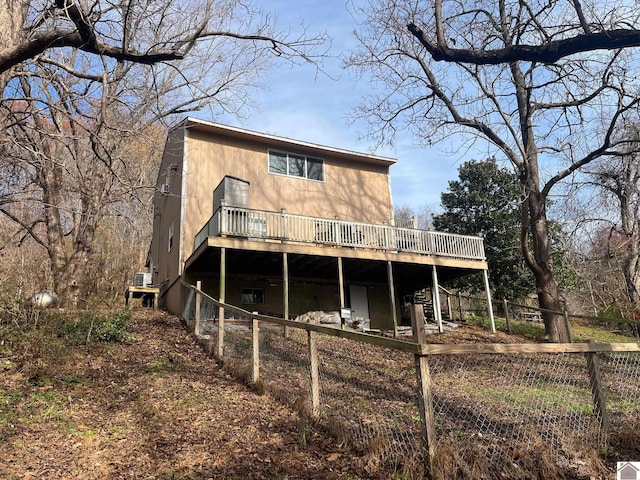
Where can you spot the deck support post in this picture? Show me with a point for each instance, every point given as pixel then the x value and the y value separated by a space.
pixel 223 283
pixel 489 305
pixel 392 297
pixel 341 286
pixel 196 328
pixel 285 290
pixel 435 295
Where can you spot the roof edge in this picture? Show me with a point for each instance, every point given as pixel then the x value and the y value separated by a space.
pixel 241 132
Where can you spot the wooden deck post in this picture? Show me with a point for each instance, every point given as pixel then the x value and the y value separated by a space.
pixel 595 380
pixel 196 328
pixel 392 297
pixel 315 373
pixel 435 295
pixel 489 305
pixel 255 363
pixel 223 282
pixel 425 394
pixel 460 307
pixel 341 284
pixel 285 291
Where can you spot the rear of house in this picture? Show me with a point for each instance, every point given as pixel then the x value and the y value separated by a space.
pixel 283 227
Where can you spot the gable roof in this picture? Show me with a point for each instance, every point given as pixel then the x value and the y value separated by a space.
pixel 282 142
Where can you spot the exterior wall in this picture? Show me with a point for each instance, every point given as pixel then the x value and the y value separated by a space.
pixel 172 299
pixel 353 191
pixel 304 296
pixel 166 263
pixel 196 159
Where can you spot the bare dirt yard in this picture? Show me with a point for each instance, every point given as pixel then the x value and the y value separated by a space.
pixel 153 407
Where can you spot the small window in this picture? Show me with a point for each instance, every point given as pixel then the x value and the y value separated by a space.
pixel 314 168
pixel 278 163
pixel 295 165
pixel 252 296
pixel 170 241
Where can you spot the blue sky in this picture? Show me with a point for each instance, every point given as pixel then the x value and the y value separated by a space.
pixel 304 105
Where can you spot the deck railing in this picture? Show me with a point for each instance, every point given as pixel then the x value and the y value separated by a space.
pixel 265 225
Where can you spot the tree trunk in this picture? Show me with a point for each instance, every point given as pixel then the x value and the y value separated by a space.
pixel 535 217
pixel 542 268
pixel 12 15
pixel 631 277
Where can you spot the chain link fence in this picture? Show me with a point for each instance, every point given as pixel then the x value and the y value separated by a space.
pixel 495 415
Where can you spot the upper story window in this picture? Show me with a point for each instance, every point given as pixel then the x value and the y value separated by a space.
pixel 295 165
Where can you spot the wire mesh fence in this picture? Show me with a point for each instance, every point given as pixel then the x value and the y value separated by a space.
pixel 495 415
pixel 460 308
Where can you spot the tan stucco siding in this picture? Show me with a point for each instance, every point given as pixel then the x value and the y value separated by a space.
pixel 352 191
pixel 167 208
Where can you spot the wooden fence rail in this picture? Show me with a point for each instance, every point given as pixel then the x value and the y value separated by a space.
pixel 422 351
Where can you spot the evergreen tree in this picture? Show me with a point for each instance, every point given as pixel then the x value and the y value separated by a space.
pixel 486 201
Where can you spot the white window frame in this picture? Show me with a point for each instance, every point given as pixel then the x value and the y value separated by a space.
pixel 288 167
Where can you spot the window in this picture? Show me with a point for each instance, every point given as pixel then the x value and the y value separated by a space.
pixel 294 165
pixel 252 296
pixel 170 241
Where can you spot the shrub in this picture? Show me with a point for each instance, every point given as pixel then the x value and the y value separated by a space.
pixel 114 329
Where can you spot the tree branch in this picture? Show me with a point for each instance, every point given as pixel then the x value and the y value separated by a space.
pixel 10 57
pixel 545 53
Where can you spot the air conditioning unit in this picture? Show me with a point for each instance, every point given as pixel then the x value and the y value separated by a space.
pixel 165 188
pixel 142 279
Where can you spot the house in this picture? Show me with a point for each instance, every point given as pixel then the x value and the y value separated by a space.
pixel 283 227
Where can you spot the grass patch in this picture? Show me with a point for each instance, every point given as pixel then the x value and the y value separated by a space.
pixel 561 397
pixel 8 402
pixel 164 365
pixel 30 406
pixel 530 330
pixel 584 333
pixel 535 330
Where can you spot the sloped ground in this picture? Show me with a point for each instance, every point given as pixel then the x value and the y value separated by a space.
pixel 154 407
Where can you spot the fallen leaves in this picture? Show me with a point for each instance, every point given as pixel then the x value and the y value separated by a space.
pixel 155 407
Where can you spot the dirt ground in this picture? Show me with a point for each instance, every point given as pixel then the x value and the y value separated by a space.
pixel 153 407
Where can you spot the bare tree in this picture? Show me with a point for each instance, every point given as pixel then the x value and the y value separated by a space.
pixel 616 244
pixel 138 32
pixel 82 124
pixel 548 116
pixel 409 217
